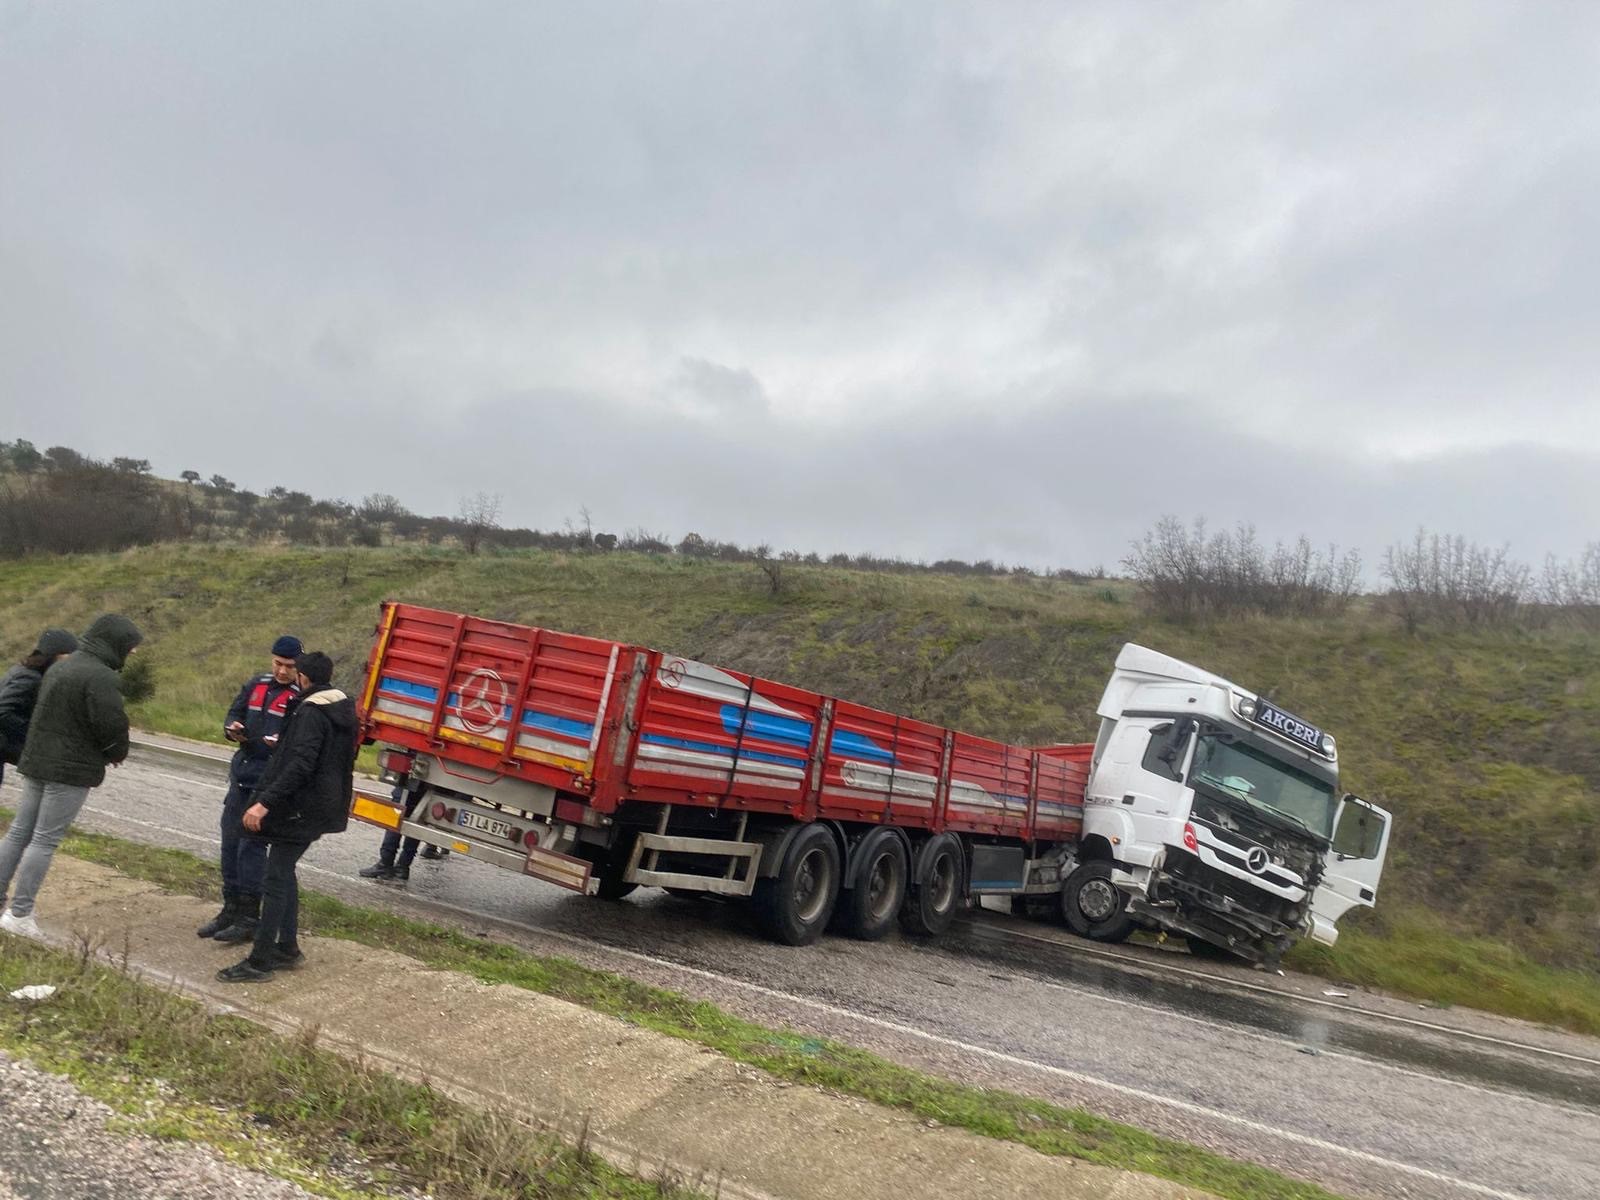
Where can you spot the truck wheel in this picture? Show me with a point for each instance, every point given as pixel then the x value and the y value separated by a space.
pixel 870 907
pixel 1093 906
pixel 609 867
pixel 794 906
pixel 931 905
pixel 613 888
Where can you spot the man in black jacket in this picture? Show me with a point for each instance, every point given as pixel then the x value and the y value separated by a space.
pixel 19 691
pixel 255 720
pixel 304 793
pixel 79 727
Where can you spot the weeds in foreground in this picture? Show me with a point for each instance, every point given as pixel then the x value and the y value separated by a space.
pixel 325 1120
pixel 785 1054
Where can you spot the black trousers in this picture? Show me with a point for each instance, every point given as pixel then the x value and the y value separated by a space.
pixel 393 843
pixel 280 902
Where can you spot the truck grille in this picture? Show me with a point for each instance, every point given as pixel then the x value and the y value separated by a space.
pixel 1237 828
pixel 1191 870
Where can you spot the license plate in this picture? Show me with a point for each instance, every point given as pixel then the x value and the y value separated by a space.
pixel 479 823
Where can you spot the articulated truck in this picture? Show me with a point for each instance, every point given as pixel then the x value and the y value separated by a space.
pixel 1201 808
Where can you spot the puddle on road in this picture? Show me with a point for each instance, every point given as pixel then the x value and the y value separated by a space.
pixel 1320 1030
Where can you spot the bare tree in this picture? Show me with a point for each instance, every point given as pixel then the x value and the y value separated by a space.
pixel 479 515
pixel 1186 572
pixel 581 531
pixel 1448 579
pixel 1574 587
pixel 380 506
pixel 771 567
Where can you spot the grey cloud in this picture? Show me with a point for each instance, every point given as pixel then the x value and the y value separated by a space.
pixel 717 389
pixel 922 279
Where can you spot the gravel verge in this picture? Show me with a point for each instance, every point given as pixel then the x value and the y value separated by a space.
pixel 55 1144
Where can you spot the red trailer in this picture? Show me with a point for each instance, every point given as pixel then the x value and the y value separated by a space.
pixel 602 766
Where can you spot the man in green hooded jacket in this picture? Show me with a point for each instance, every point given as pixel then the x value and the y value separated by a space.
pixel 79 726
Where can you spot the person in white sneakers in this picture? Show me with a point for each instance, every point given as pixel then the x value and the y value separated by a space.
pixel 79 727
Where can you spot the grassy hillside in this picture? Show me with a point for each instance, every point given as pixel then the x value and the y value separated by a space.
pixel 1486 744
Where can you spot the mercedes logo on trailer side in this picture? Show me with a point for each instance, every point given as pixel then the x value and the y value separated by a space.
pixel 482 703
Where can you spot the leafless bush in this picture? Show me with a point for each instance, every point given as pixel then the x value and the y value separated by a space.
pixel 644 542
pixel 480 514
pixel 1186 573
pixel 1449 580
pixel 1573 588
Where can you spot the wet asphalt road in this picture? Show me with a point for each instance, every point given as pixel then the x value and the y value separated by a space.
pixel 1368 1104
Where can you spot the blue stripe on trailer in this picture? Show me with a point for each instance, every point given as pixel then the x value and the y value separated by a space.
pixel 857 745
pixel 563 725
pixel 656 739
pixel 402 687
pixel 767 726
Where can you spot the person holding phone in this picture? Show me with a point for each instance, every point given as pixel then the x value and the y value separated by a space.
pixel 254 721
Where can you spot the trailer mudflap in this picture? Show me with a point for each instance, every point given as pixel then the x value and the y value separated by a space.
pixel 563 870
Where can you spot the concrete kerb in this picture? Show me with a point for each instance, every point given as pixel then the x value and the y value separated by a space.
pixel 650 1104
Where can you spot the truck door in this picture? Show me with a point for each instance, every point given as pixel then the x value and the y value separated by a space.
pixel 1141 771
pixel 1353 864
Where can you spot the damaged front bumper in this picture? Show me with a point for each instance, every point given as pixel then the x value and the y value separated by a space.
pixel 1186 901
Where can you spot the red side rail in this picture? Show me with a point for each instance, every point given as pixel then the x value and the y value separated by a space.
pixel 609 722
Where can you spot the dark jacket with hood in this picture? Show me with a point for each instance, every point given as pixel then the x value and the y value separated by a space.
pixel 79 724
pixel 261 707
pixel 306 788
pixel 19 692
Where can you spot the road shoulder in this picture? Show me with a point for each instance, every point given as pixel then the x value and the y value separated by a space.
pixel 647 1101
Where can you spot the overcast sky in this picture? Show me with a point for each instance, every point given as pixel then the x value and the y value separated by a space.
pixel 989 280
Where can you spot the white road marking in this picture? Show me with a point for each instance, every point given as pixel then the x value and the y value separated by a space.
pixel 938 1039
pixel 1079 946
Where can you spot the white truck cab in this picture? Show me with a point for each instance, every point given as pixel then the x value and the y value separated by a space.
pixel 1214 813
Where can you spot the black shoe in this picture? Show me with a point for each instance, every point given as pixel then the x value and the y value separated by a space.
pixel 377 871
pixel 400 874
pixel 242 930
pixel 225 918
pixel 432 851
pixel 246 917
pixel 244 971
pixel 287 958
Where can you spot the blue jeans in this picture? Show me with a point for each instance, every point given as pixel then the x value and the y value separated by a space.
pixel 280 904
pixel 244 856
pixel 44 814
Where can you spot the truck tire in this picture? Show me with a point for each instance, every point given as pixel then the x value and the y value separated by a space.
pixel 1093 906
pixel 931 904
pixel 609 867
pixel 869 909
pixel 794 906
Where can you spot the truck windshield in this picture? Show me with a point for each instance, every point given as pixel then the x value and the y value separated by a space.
pixel 1267 785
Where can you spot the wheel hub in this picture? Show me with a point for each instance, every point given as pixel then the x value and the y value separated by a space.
pixel 1097 899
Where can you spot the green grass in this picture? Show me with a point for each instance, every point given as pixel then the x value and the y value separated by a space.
pixel 1417 955
pixel 786 1054
pixel 1484 743
pixel 336 1127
